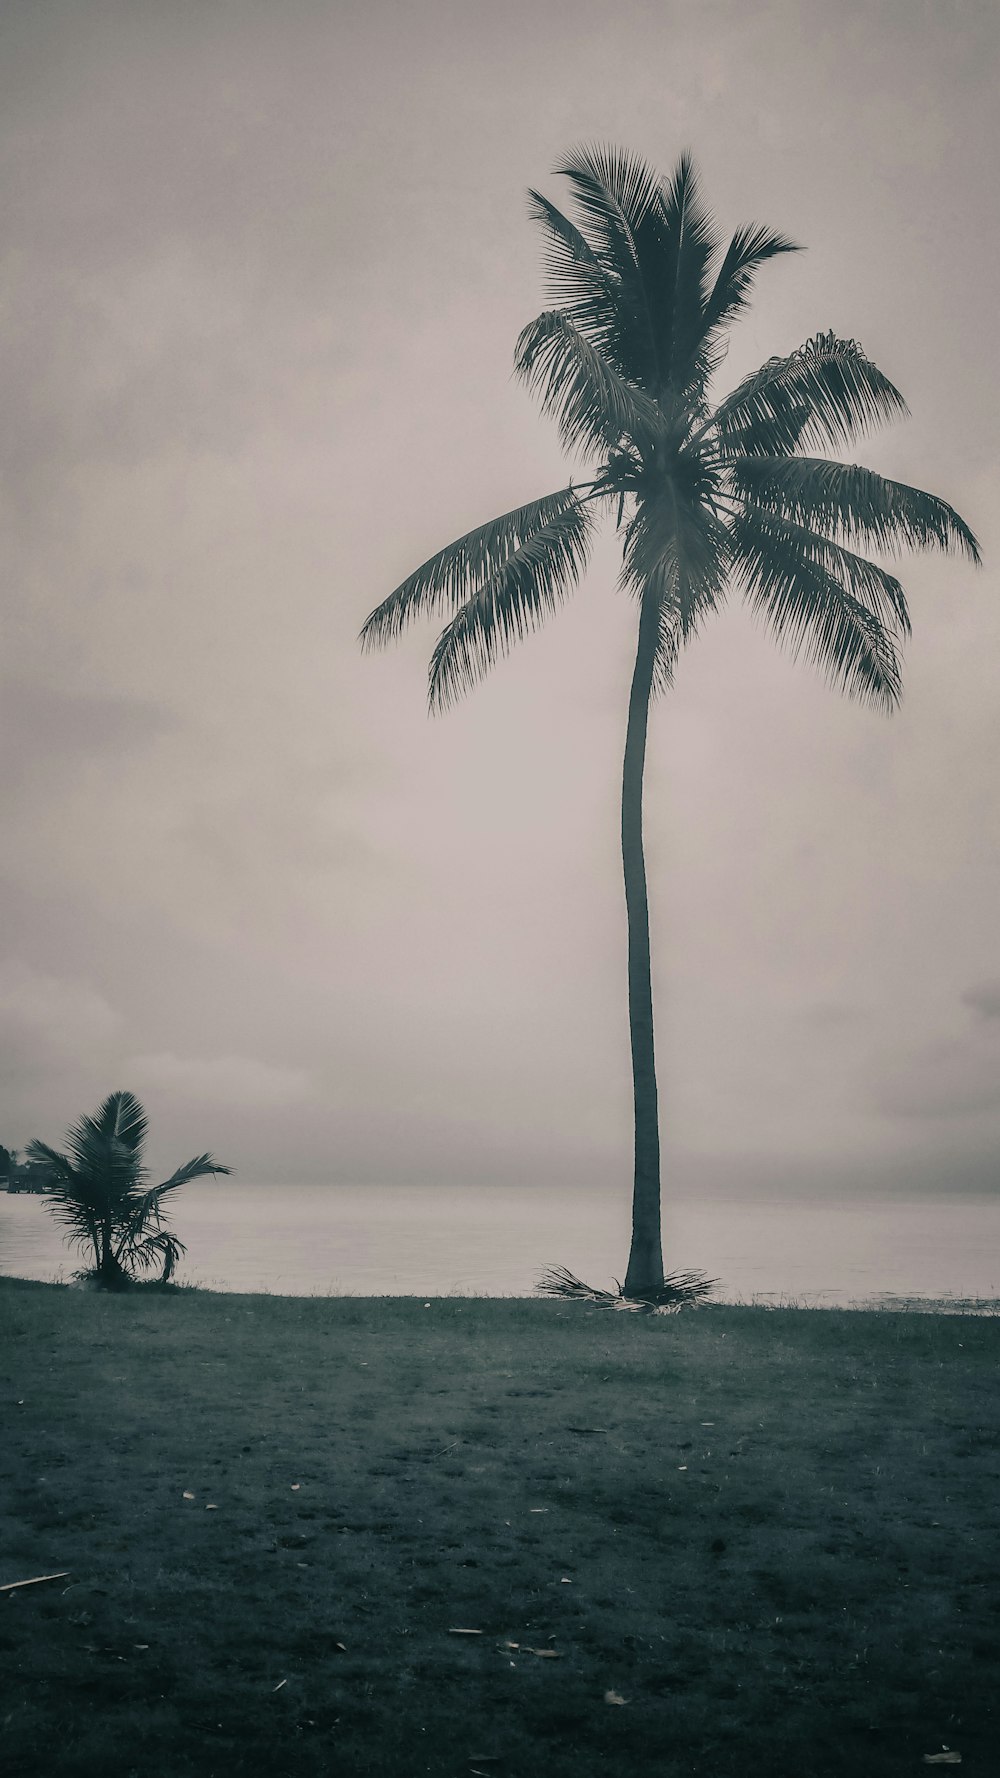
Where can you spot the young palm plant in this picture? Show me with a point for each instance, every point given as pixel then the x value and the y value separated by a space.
pixel 101 1194
pixel 709 494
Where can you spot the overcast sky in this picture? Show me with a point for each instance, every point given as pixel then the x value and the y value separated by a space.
pixel 264 267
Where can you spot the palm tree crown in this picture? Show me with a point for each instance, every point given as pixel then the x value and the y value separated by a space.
pixel 710 494
pixel 709 497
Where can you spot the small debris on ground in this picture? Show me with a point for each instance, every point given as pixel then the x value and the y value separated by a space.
pixel 11 1586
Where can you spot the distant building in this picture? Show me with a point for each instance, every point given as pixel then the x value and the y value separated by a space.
pixel 31 1176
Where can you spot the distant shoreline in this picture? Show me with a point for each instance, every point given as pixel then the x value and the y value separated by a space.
pixel 888 1304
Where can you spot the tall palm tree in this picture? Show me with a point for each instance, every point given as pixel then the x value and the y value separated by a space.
pixel 101 1195
pixel 708 494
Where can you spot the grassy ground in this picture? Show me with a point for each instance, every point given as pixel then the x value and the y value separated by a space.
pixel 726 1542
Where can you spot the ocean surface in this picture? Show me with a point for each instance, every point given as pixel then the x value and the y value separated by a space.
pixel 496 1241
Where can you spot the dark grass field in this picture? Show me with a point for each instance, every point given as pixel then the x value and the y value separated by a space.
pixel 728 1542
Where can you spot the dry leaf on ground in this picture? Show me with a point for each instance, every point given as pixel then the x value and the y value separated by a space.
pixel 544 1654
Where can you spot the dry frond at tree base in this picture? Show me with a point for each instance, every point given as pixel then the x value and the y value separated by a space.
pixel 680 1290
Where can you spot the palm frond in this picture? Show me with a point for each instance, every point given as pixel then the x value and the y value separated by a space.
pixel 866 581
pixel 614 192
pixel 675 268
pixel 448 578
pixel 198 1168
pixel 593 404
pixel 515 600
pixel 680 1290
pixel 142 1208
pixel 621 204
pixel 668 647
pixel 159 1248
pixel 812 613
pixel 71 1201
pixel 826 393
pixel 855 502
pixel 777 433
pixel 576 279
pixel 749 248
pixel 79 1218
pixel 61 1164
pixel 106 1149
pixel 121 1119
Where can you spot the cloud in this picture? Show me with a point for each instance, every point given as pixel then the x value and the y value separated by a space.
pixel 46 732
pixel 984 999
pixel 240 1081
pixel 831 1015
pixel 47 1017
pixel 952 1078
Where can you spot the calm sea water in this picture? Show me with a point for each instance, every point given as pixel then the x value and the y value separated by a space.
pixel 440 1241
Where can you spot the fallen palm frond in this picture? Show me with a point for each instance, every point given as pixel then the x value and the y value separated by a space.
pixel 680 1290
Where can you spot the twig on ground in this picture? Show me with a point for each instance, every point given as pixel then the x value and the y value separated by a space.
pixel 10 1586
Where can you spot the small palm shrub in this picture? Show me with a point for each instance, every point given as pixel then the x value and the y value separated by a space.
pixel 101 1195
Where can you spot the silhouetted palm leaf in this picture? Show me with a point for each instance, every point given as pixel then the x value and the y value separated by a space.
pixel 447 578
pixel 826 393
pixel 749 249
pixel 592 403
pixel 513 601
pixel 857 503
pixel 812 611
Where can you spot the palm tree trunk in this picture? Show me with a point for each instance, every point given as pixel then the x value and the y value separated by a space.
pixel 645 1264
pixel 110 1273
pixel 106 1265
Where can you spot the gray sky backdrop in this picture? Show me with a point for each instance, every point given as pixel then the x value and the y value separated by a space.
pixel 264 266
